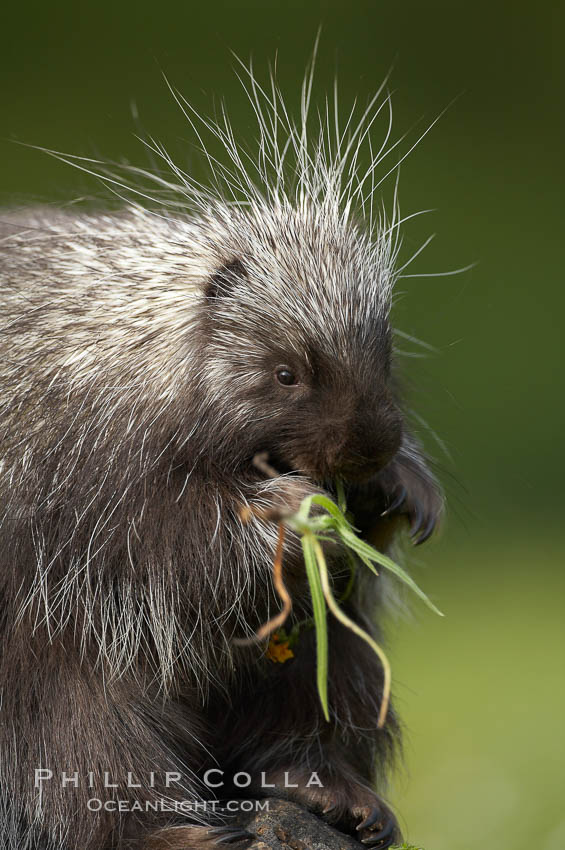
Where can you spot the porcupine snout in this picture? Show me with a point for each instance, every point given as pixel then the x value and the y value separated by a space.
pixel 370 439
pixel 350 437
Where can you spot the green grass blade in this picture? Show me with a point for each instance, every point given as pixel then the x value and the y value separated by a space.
pixel 329 506
pixel 367 553
pixel 320 619
pixel 352 625
pixel 370 555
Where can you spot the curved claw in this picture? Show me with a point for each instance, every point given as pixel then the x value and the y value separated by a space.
pixel 371 818
pixel 422 534
pixel 386 836
pixel 398 500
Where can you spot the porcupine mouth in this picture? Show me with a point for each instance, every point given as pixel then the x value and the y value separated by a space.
pixel 325 484
pixel 284 468
pixel 277 464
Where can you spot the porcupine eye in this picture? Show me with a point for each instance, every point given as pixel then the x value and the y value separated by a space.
pixel 285 376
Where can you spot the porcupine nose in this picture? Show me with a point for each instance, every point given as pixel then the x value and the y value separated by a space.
pixel 372 441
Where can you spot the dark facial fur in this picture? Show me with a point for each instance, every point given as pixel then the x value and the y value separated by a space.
pixel 334 417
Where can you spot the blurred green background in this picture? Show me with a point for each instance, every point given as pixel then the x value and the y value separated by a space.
pixel 482 691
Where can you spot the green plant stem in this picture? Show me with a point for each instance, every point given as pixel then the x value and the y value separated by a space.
pixel 350 624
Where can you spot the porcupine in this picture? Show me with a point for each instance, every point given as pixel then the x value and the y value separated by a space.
pixel 147 356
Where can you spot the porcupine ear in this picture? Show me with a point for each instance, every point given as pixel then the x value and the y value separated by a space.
pixel 222 281
pixel 412 490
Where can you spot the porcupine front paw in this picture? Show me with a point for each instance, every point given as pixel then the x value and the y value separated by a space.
pixel 350 807
pixel 363 814
pixel 378 827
